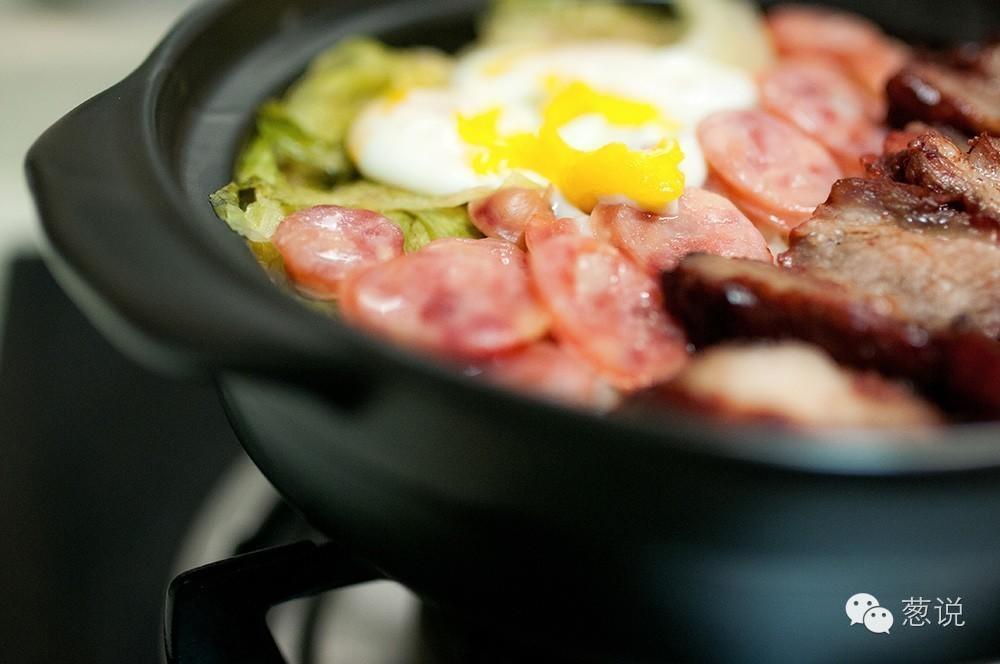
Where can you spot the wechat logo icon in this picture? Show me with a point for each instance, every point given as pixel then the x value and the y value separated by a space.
pixel 864 609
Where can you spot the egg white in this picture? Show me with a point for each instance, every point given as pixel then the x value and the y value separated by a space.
pixel 414 143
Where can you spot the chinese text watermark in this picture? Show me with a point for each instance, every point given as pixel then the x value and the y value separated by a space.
pixel 865 609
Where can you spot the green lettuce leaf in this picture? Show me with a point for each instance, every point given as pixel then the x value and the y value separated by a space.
pixel 302 138
pixel 386 198
pixel 343 79
pixel 252 208
pixel 300 156
pixel 420 227
pixel 258 162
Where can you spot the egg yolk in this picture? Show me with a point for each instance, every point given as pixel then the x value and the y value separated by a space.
pixel 651 178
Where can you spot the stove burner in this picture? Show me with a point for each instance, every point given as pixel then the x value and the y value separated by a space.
pixel 373 623
pixel 269 554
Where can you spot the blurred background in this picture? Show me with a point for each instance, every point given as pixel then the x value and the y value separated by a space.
pixel 54 54
pixel 104 464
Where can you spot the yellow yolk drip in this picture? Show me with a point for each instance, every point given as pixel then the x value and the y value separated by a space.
pixel 651 178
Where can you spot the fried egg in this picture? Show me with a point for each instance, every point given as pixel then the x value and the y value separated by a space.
pixel 597 121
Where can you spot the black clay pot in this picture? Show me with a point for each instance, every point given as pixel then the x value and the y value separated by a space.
pixel 626 537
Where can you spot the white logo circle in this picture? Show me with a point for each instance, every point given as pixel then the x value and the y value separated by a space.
pixel 878 620
pixel 858 605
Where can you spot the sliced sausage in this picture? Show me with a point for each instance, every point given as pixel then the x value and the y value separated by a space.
pixel 323 245
pixel 505 213
pixel 800 29
pixel 553 372
pixel 768 163
pixel 874 68
pixel 704 223
pixel 899 140
pixel 540 229
pixel 771 224
pixel 826 105
pixel 853 42
pixel 772 227
pixel 456 298
pixel 609 310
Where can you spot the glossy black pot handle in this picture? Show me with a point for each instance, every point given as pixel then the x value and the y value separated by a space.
pixel 217 614
pixel 148 261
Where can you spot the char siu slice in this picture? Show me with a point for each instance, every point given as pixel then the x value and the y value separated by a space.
pixel 970 179
pixel 795 385
pixel 903 244
pixel 962 91
pixel 719 299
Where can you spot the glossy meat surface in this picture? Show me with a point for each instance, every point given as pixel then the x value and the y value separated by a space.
pixel 900 243
pixel 793 384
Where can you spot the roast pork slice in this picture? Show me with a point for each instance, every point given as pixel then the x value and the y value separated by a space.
pixel 937 268
pixel 969 178
pixel 937 92
pixel 796 385
pixel 983 58
pixel 721 299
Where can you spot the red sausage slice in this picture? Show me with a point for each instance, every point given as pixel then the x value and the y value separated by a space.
pixel 804 30
pixel 769 163
pixel 855 43
pixel 705 223
pixel 323 245
pixel 609 310
pixel 874 68
pixel 773 227
pixel 552 372
pixel 500 249
pixel 541 229
pixel 456 298
pixel 899 140
pixel 821 101
pixel 505 213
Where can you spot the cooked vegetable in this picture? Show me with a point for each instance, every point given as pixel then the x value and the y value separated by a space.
pixel 251 209
pixel 545 22
pixel 730 31
pixel 300 156
pixel 420 227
